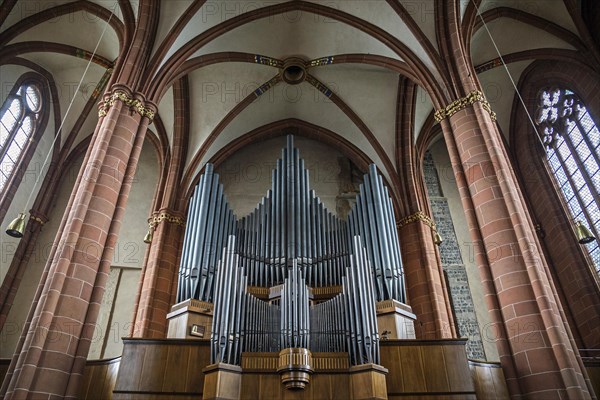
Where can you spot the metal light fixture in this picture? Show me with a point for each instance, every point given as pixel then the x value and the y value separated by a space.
pixel 17 226
pixel 149 235
pixel 584 235
pixel 437 238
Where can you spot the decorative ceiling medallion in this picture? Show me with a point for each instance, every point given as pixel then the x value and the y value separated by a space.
pixel 294 70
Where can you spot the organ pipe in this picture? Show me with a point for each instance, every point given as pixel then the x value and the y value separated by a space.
pixel 292 242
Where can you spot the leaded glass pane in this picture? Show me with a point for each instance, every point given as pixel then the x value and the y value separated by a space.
pixel 568 190
pixel 12 114
pixel 4 133
pixel 14 151
pixel 8 165
pixel 575 206
pixel 586 119
pixel 594 212
pixel 33 99
pixel 573 148
pixel 27 125
pixel 578 180
pixel 16 127
pixel 20 139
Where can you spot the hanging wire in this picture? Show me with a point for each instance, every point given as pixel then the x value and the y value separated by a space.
pixel 69 108
pixel 582 236
pixel 508 72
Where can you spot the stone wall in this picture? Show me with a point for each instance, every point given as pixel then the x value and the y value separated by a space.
pixel 452 263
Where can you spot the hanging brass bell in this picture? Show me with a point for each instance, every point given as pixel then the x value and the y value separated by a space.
pixel 17 226
pixel 584 235
pixel 148 237
pixel 437 238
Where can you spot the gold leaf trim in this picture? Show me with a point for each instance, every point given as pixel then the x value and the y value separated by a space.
pixel 137 105
pixel 321 61
pixel 164 216
pixel 37 219
pixel 462 103
pixel 418 216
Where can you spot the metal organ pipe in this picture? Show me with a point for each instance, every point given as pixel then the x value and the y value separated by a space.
pixel 291 239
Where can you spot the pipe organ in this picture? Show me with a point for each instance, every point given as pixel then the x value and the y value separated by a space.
pixel 291 246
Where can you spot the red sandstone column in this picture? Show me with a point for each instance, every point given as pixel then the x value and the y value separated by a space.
pixel 51 359
pixel 159 278
pixel 158 283
pixel 535 344
pixel 425 285
pixel 424 282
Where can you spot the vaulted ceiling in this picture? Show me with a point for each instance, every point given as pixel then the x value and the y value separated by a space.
pixel 230 55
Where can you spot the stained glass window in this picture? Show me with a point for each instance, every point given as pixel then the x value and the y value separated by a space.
pixel 572 142
pixel 18 119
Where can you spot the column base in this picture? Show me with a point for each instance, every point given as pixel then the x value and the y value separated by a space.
pixel 367 382
pixel 190 319
pixel 395 320
pixel 222 382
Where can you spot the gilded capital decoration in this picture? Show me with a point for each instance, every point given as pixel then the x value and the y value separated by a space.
pixel 462 103
pixel 165 216
pixel 418 216
pixel 136 104
pixel 37 219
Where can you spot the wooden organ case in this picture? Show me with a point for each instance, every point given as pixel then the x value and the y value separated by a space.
pixel 292 302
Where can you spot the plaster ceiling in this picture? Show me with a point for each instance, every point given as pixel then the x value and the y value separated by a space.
pixel 511 36
pixel 551 10
pixel 65 27
pixel 366 91
pixel 281 38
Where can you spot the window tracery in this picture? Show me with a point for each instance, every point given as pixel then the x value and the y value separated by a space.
pixel 19 116
pixel 572 142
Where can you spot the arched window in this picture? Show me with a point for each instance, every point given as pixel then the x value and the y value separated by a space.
pixel 19 117
pixel 572 143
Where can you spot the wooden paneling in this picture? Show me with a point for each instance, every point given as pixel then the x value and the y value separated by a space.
pixel 438 396
pixel 592 365
pixel 162 369
pixel 459 376
pixel 427 369
pixel 4 363
pixel 99 379
pixel 489 381
pixel 268 386
pixel 172 369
